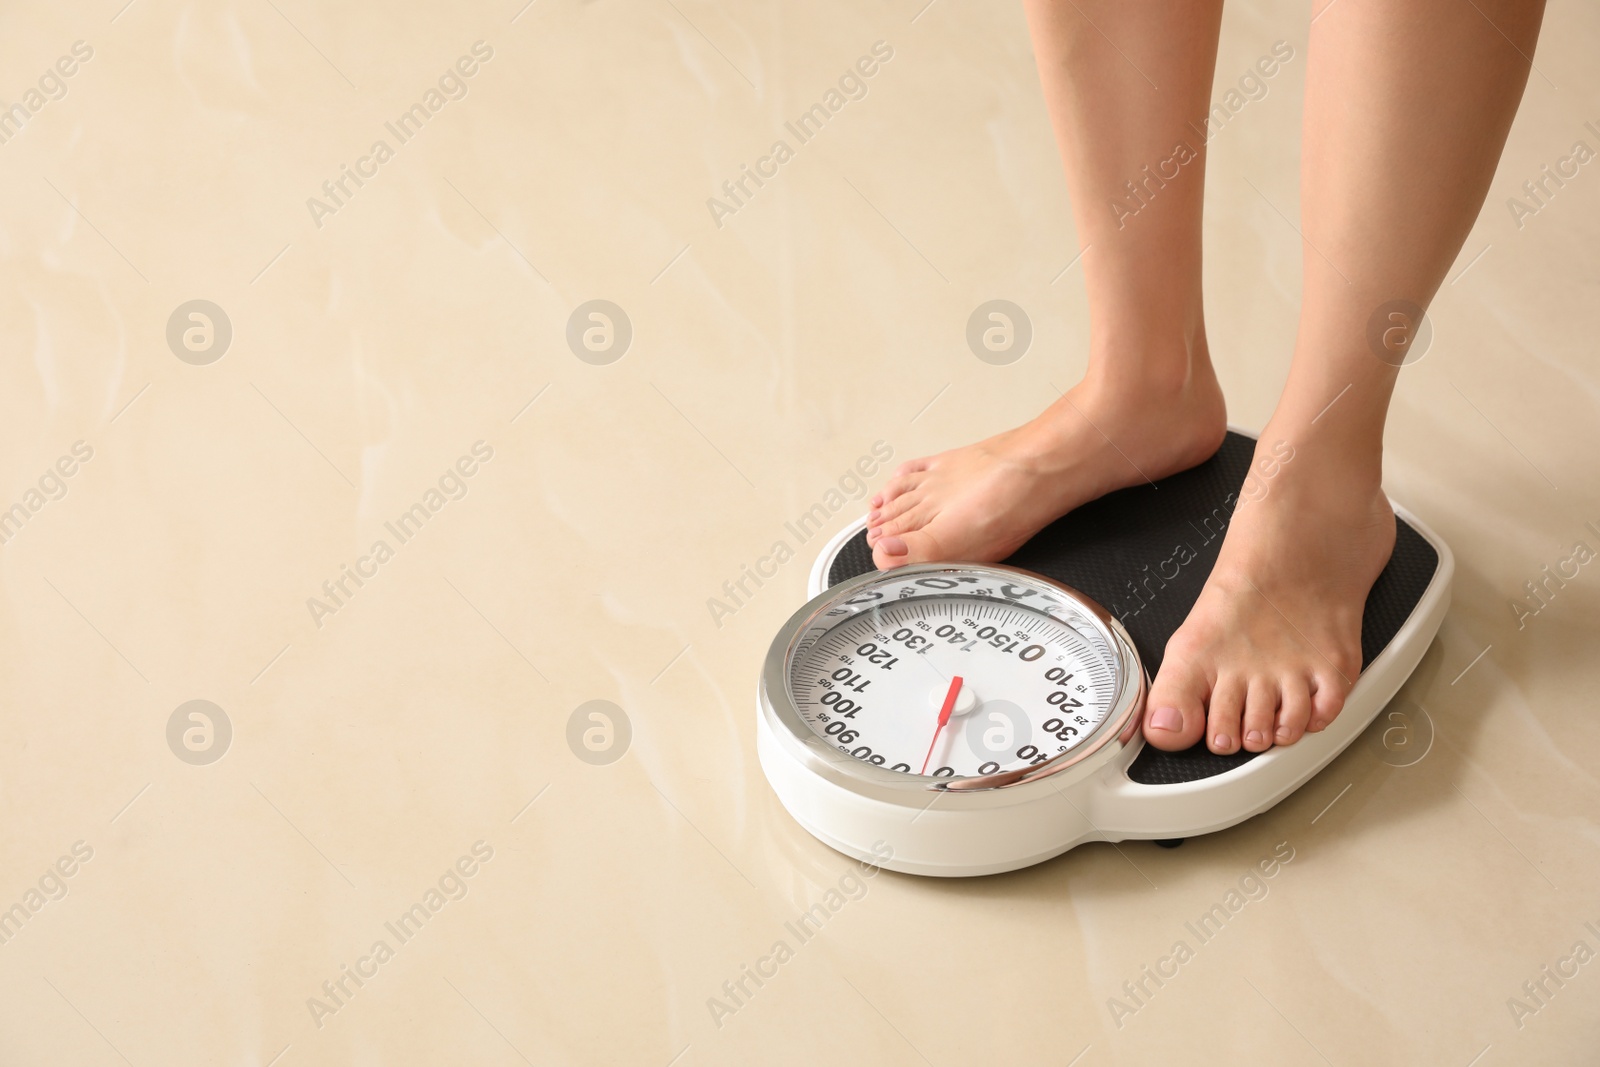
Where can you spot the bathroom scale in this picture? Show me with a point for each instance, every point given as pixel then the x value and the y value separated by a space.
pixel 960 719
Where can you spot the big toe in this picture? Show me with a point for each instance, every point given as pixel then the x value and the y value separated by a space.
pixel 896 550
pixel 1175 710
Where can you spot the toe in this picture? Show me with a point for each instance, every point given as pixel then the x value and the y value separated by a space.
pixel 1222 719
pixel 911 546
pixel 911 466
pixel 890 551
pixel 1294 712
pixel 897 507
pixel 1175 710
pixel 1260 709
pixel 1327 699
pixel 889 539
pixel 914 517
pixel 900 483
pixel 921 545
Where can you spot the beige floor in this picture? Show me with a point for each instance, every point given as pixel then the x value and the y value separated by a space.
pixel 378 741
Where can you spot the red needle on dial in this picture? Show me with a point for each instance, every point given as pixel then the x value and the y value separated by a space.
pixel 944 717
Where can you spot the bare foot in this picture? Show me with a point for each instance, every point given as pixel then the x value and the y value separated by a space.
pixel 982 502
pixel 1273 645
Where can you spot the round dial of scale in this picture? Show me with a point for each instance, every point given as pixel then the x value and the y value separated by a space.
pixel 957 672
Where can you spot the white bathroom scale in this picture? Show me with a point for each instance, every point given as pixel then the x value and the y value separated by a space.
pixel 961 719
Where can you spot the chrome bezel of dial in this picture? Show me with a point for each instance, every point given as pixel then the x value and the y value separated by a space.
pixel 798 738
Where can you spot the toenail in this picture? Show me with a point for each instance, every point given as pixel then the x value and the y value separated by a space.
pixel 1222 741
pixel 874 516
pixel 1255 737
pixel 892 545
pixel 1166 719
pixel 1283 736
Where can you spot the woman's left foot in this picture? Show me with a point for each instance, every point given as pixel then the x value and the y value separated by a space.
pixel 1273 645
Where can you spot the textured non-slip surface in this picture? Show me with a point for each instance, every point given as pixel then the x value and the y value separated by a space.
pixel 1144 553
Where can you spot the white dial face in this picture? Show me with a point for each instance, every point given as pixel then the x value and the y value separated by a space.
pixel 1022 686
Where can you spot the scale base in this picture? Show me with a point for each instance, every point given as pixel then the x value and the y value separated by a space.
pixel 1120 551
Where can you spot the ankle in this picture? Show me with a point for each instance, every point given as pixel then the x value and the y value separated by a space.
pixel 1312 472
pixel 1347 455
pixel 1167 373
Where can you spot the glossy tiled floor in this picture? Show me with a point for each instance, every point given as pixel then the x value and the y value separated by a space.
pixel 402 339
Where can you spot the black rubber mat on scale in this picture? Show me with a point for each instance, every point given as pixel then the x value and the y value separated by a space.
pixel 1144 554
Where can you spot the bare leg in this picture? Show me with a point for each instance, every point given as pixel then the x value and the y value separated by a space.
pixel 1149 404
pixel 1407 109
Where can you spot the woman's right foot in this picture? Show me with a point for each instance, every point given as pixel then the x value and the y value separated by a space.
pixel 982 502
